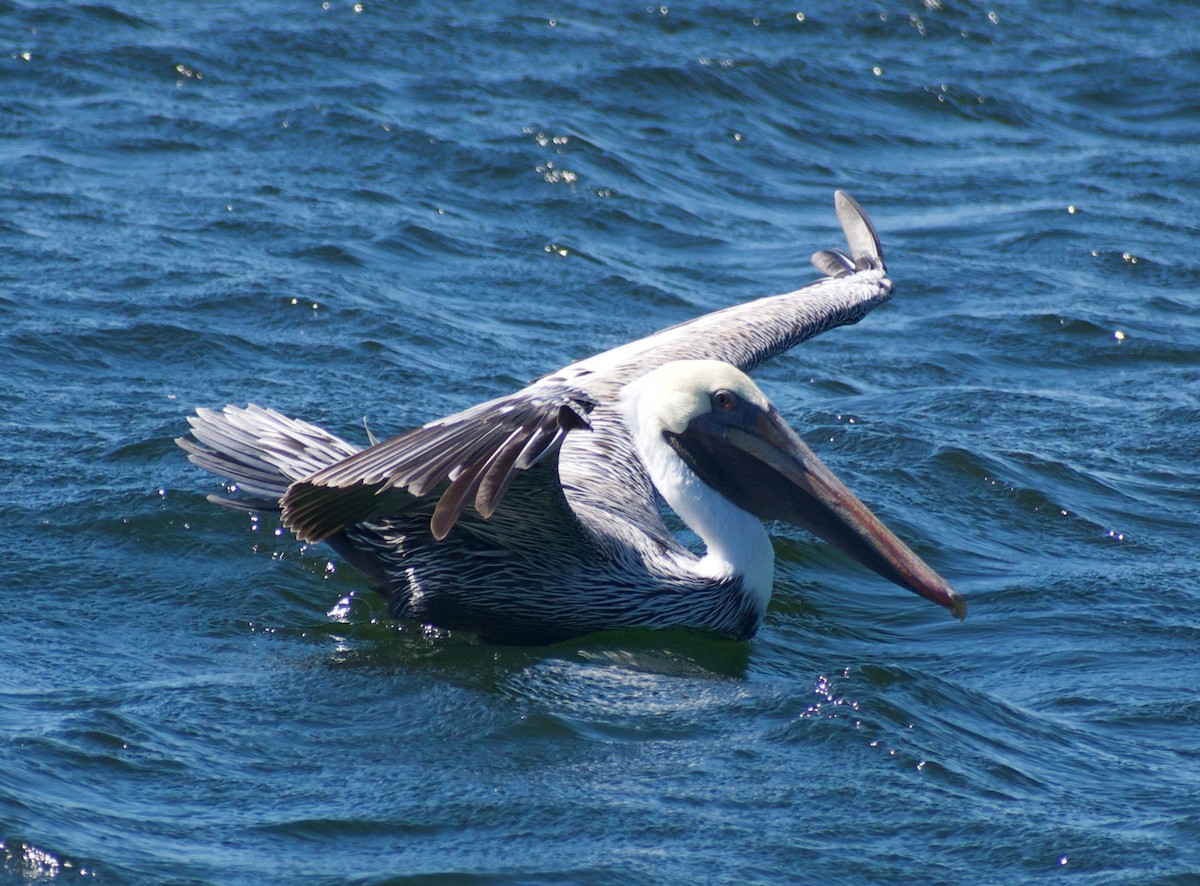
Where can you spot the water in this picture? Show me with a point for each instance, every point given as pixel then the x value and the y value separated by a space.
pixel 400 210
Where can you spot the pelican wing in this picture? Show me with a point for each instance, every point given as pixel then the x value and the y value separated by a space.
pixel 750 333
pixel 477 451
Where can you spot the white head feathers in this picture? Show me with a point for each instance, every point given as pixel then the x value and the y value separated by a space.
pixel 669 397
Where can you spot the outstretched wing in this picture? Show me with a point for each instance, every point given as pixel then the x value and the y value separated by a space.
pixel 750 333
pixel 479 451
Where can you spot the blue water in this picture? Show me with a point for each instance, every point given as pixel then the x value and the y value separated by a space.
pixel 398 210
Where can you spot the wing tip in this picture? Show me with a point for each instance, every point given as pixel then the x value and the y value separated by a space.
pixel 958 606
pixel 861 236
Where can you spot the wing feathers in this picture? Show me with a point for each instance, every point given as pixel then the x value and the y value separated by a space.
pixel 478 452
pixel 499 473
pixel 260 450
pixel 860 233
pixel 833 262
pixel 454 500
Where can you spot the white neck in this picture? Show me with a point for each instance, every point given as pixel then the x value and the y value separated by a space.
pixel 736 544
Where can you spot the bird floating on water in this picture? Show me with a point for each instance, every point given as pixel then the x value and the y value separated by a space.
pixel 535 517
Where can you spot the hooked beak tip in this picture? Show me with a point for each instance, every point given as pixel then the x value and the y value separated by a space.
pixel 957 605
pixel 916 575
pixel 923 581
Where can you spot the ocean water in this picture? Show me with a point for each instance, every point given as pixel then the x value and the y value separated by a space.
pixel 396 210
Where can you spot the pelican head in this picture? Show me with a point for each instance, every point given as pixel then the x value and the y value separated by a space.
pixel 723 458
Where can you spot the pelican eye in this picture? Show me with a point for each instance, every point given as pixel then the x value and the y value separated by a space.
pixel 724 399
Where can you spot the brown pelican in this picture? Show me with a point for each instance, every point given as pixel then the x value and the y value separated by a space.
pixel 534 517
